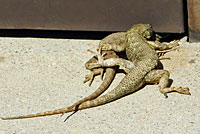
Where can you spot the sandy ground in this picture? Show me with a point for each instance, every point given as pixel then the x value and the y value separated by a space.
pixel 44 74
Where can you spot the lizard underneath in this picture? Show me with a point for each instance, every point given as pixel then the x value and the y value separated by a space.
pixel 117 41
pixel 144 59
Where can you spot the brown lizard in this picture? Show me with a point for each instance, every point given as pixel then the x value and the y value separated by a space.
pixel 144 59
pixel 117 40
pixel 113 39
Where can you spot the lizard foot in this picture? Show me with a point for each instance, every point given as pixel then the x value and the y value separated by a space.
pixel 161 53
pixel 173 45
pixel 90 77
pixel 179 90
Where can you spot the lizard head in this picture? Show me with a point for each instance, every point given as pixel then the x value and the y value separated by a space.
pixel 144 29
pixel 103 47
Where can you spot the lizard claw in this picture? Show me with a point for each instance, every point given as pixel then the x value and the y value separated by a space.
pixel 90 78
pixel 161 53
pixel 99 57
pixel 95 72
pixel 174 43
pixel 183 90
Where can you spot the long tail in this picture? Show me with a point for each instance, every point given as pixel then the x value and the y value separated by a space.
pixel 58 111
pixel 110 73
pixel 128 85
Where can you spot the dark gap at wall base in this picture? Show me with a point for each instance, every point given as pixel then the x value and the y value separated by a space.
pixel 59 34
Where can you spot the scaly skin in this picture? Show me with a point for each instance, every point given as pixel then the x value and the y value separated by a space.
pixel 144 59
pixel 116 42
pixel 110 74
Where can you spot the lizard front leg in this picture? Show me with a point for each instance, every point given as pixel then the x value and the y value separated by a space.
pixel 124 64
pixel 164 47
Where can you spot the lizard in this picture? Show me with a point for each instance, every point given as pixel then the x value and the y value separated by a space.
pixel 114 39
pixel 153 76
pixel 117 40
pixel 144 59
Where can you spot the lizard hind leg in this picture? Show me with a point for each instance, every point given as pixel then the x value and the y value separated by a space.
pixel 162 77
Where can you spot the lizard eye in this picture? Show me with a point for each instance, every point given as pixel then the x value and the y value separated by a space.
pixel 148 33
